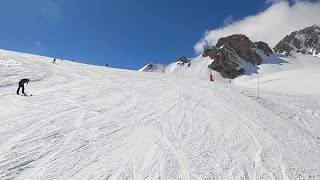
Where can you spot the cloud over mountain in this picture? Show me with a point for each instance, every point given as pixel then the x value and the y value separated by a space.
pixel 271 25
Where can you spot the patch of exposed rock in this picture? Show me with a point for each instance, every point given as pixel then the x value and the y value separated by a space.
pixel 229 51
pixel 150 66
pixel 227 63
pixel 264 47
pixel 305 41
pixel 243 47
pixel 183 60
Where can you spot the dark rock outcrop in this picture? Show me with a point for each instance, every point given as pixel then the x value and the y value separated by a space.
pixel 206 52
pixel 264 47
pixel 150 66
pixel 305 41
pixel 183 60
pixel 243 47
pixel 227 51
pixel 226 63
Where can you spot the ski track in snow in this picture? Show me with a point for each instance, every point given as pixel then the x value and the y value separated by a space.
pixel 88 122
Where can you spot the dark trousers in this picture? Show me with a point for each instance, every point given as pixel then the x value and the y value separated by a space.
pixel 19 89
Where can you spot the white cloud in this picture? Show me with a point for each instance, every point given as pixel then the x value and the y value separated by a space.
pixel 275 1
pixel 270 26
pixel 51 11
pixel 228 21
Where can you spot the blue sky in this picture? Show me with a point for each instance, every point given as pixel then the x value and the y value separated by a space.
pixel 123 33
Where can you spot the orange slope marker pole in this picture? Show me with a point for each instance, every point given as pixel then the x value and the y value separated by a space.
pixel 211 76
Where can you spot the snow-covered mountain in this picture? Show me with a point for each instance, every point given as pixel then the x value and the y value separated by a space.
pixel 90 122
pixel 284 74
pixel 230 57
pixel 305 41
pixel 236 55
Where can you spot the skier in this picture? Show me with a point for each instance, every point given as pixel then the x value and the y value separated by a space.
pixel 21 84
pixel 107 65
pixel 54 60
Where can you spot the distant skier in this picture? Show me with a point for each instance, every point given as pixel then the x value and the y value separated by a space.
pixel 54 60
pixel 107 65
pixel 21 84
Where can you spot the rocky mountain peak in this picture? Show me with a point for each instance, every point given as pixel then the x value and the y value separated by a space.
pixel 183 59
pixel 263 46
pixel 236 54
pixel 305 41
pixel 243 47
pixel 234 40
pixel 229 53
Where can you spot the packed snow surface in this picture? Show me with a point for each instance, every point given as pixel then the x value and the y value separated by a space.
pixel 295 75
pixel 90 122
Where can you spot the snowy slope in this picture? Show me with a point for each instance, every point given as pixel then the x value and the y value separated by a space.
pixel 89 122
pixel 198 69
pixel 296 75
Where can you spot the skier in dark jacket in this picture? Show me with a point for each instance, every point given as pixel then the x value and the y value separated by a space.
pixel 21 84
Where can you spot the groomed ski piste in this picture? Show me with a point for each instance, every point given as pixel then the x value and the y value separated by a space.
pixel 91 122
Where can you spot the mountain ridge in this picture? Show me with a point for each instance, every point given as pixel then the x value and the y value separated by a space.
pixel 305 41
pixel 231 54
